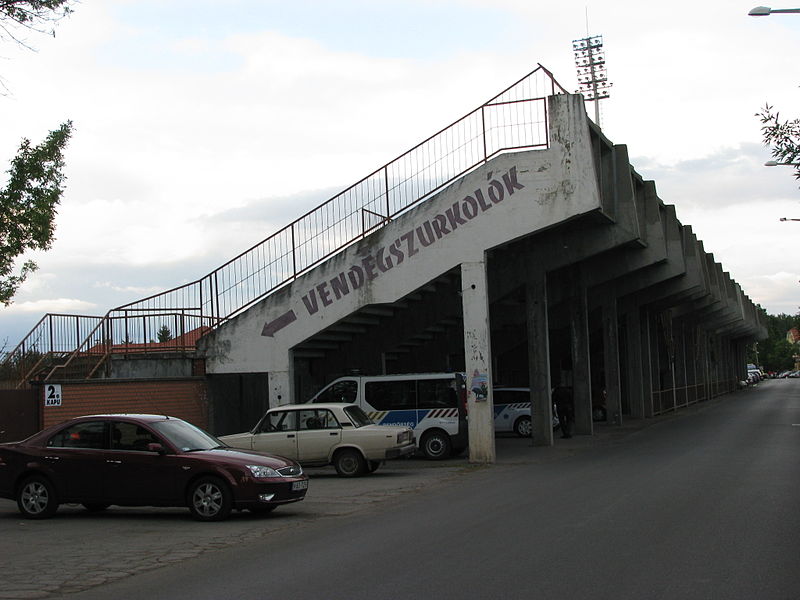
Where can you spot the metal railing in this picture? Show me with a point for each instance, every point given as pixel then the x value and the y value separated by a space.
pixel 515 119
pixel 52 340
pixel 671 399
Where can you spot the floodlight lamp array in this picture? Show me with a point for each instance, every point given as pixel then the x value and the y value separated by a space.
pixel 591 64
pixel 587 43
pixel 591 94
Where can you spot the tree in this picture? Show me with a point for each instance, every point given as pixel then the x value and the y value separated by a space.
pixel 782 136
pixel 776 353
pixel 38 16
pixel 164 334
pixel 30 198
pixel 28 205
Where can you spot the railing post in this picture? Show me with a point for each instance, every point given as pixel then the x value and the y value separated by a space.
pixel 200 296
pixel 294 254
pixel 483 131
pixel 111 334
pixel 215 295
pixel 183 326
pixel 386 188
pixel 546 123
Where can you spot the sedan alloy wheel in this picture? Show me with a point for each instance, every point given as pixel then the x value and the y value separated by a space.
pixel 36 498
pixel 209 500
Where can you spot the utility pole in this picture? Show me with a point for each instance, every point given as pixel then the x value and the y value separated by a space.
pixel 591 63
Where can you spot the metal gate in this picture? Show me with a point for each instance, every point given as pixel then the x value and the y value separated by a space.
pixel 19 414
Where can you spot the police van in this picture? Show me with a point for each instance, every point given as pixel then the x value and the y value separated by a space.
pixel 432 404
pixel 512 410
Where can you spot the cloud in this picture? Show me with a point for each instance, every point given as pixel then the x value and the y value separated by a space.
pixel 129 289
pixel 725 177
pixel 54 305
pixel 779 291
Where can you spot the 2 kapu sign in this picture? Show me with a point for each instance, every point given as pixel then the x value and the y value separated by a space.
pixel 52 395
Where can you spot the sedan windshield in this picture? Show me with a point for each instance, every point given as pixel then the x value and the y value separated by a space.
pixel 187 437
pixel 357 416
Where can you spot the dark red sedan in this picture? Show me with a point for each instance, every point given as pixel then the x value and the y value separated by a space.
pixel 143 460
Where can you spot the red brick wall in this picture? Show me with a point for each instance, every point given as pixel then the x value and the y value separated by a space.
pixel 185 399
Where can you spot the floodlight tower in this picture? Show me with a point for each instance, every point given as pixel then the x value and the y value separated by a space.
pixel 591 63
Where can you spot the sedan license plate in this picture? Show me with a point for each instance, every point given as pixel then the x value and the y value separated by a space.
pixel 300 485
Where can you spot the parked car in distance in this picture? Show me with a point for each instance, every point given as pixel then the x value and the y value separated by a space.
pixel 142 460
pixel 335 434
pixel 754 376
pixel 512 410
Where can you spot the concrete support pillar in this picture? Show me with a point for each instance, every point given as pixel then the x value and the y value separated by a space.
pixel 611 357
pixel 694 354
pixel 539 358
pixel 655 364
pixel 680 363
pixel 705 365
pixel 281 383
pixel 647 366
pixel 581 368
pixel 633 332
pixel 478 362
pixel 729 366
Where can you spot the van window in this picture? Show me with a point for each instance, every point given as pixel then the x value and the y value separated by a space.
pixel 437 393
pixel 341 391
pixel 391 395
pixel 511 396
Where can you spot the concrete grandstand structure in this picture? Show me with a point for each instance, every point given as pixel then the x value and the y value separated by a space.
pixel 518 245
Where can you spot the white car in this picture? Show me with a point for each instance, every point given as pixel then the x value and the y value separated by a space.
pixel 335 434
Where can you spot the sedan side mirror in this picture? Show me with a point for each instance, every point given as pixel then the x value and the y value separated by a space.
pixel 156 447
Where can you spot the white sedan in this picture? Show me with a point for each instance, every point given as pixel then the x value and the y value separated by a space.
pixel 335 434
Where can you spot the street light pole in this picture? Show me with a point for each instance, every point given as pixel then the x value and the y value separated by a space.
pixel 765 11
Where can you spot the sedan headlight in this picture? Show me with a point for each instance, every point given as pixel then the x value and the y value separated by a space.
pixel 261 472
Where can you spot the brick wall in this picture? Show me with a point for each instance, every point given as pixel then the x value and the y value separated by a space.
pixel 185 398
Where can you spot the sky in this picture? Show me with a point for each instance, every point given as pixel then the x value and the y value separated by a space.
pixel 204 126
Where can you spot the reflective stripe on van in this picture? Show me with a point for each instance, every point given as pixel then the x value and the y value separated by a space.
pixel 498 408
pixel 438 413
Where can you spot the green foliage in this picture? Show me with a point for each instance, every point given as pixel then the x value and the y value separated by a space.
pixel 164 334
pixel 782 136
pixel 28 205
pixel 776 353
pixel 34 15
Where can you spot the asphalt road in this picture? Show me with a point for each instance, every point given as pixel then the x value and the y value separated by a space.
pixel 703 504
